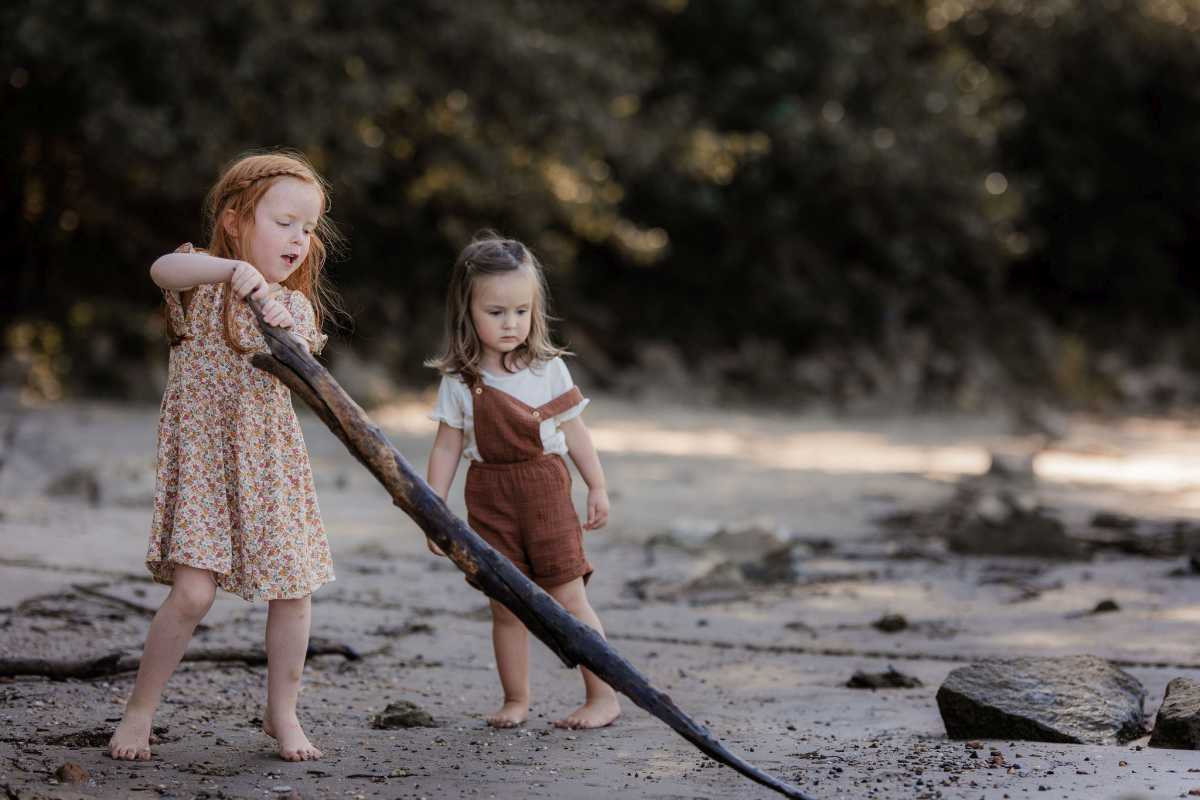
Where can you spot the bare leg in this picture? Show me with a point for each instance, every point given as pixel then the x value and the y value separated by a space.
pixel 190 598
pixel 600 707
pixel 287 642
pixel 510 641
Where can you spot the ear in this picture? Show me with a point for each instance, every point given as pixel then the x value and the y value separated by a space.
pixel 229 222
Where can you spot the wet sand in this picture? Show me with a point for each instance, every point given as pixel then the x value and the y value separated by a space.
pixel 764 666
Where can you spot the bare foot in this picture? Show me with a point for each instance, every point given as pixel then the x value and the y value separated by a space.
pixel 595 713
pixel 293 744
pixel 510 715
pixel 131 740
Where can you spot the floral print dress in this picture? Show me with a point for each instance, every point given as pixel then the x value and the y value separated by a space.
pixel 234 490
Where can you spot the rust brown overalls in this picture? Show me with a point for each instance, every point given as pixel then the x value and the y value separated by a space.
pixel 519 497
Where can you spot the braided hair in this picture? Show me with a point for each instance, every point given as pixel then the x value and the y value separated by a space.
pixel 239 189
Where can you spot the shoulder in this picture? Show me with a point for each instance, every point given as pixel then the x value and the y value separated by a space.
pixel 188 247
pixel 297 303
pixel 294 296
pixel 556 370
pixel 452 385
pixel 453 400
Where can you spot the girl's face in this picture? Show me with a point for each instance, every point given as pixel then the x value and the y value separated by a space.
pixel 502 310
pixel 284 221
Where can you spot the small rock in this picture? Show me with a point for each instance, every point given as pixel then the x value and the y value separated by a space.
pixel 402 714
pixel 1071 699
pixel 892 679
pixel 1011 465
pixel 1019 531
pixel 78 482
pixel 1106 606
pixel 1113 521
pixel 747 540
pixel 71 772
pixel 1178 722
pixel 890 623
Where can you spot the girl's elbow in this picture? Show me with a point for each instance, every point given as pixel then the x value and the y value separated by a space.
pixel 160 273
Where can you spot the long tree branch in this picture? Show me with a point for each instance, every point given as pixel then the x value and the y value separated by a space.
pixel 571 640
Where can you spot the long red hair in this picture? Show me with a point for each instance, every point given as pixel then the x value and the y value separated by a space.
pixel 239 189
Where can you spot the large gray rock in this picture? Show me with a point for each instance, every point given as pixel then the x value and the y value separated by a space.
pixel 1075 699
pixel 1178 722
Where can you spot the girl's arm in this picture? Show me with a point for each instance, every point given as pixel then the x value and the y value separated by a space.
pixel 188 270
pixel 583 453
pixel 183 271
pixel 443 463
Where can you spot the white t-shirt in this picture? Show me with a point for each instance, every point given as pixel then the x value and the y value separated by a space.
pixel 534 386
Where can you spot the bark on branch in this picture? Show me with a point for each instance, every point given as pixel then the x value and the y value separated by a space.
pixel 116 663
pixel 571 640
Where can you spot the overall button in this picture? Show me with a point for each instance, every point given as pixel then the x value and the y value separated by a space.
pixel 537 413
pixel 478 390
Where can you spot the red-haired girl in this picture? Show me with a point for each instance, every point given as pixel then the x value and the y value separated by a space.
pixel 235 506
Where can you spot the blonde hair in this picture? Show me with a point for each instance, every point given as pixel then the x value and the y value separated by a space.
pixel 490 254
pixel 239 189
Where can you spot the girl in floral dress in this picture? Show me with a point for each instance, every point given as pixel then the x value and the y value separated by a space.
pixel 235 506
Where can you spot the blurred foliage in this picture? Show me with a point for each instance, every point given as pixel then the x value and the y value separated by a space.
pixel 870 198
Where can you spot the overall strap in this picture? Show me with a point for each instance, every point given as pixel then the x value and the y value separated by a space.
pixel 565 401
pixel 505 430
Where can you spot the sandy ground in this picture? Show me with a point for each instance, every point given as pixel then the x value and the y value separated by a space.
pixel 764 666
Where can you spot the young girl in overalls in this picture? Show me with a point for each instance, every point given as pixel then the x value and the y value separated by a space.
pixel 507 403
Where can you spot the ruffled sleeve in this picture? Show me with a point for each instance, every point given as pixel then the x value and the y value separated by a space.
pixel 305 321
pixel 449 407
pixel 560 384
pixel 178 323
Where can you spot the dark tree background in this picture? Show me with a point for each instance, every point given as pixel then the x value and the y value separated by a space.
pixel 952 202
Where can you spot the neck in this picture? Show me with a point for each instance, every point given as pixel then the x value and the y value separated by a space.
pixel 494 361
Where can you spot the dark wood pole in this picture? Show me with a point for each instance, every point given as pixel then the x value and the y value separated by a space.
pixel 571 640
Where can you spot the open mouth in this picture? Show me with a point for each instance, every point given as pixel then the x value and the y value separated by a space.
pixel 291 260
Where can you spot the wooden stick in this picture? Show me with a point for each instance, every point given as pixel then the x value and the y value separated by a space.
pixel 116 663
pixel 571 640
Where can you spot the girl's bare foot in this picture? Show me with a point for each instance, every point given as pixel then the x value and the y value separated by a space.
pixel 131 740
pixel 595 713
pixel 293 744
pixel 510 715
